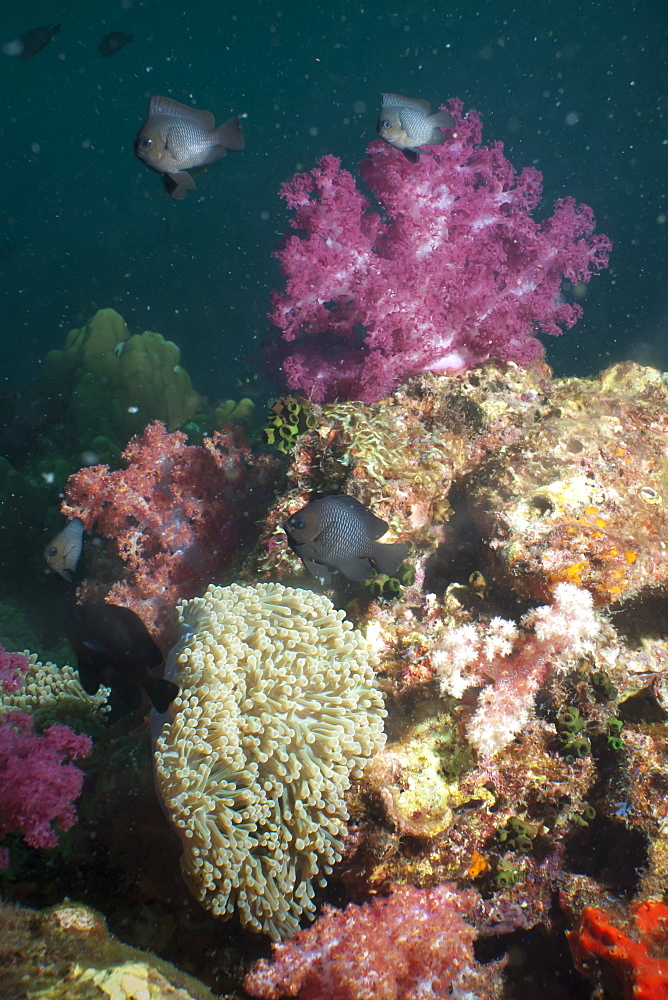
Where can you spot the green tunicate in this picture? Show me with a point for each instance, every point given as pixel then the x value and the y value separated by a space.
pixel 287 431
pixel 604 685
pixel 506 875
pixel 570 721
pixel 578 747
pixel 288 419
pixel 518 833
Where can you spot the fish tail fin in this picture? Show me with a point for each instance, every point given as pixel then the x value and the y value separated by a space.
pixel 229 134
pixel 442 119
pixel 387 557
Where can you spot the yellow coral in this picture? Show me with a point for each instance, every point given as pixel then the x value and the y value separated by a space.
pixel 138 378
pixel 278 713
pixel 55 691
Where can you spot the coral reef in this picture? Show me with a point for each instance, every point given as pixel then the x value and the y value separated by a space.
pixel 66 953
pixel 583 496
pixel 516 735
pixel 175 516
pixel 453 272
pixel 278 714
pixel 524 672
pixel 401 456
pixel 414 944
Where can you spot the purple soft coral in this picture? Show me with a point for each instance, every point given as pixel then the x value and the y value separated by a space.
pixel 455 270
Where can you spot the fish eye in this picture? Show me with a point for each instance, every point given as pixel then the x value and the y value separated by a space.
pixel 298 523
pixel 386 124
pixel 53 551
pixel 145 142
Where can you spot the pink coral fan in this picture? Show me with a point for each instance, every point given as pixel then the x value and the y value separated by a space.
pixel 412 944
pixel 516 660
pixel 38 784
pixel 455 270
pixel 176 514
pixel 12 668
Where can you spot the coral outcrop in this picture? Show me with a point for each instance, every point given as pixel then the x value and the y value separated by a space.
pixel 115 383
pixel 67 953
pixel 584 496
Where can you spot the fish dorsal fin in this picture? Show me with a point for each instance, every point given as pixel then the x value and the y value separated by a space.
pixel 397 101
pixel 166 106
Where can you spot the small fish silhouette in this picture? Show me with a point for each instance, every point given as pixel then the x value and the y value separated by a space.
pixel 113 43
pixel 113 647
pixel 407 124
pixel 339 532
pixel 64 550
pixel 175 137
pixel 33 41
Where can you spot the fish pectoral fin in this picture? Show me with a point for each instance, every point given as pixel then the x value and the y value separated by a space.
pixel 412 155
pixel 229 134
pixel 387 557
pixel 177 185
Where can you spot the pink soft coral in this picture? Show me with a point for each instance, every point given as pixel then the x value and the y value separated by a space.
pixel 38 784
pixel 414 944
pixel 454 272
pixel 176 514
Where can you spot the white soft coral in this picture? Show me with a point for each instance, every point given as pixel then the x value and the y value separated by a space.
pixel 519 660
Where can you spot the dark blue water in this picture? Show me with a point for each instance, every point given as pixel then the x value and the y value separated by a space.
pixel 579 89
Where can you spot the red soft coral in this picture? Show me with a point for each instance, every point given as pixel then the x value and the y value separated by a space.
pixel 454 272
pixel 176 514
pixel 12 668
pixel 413 944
